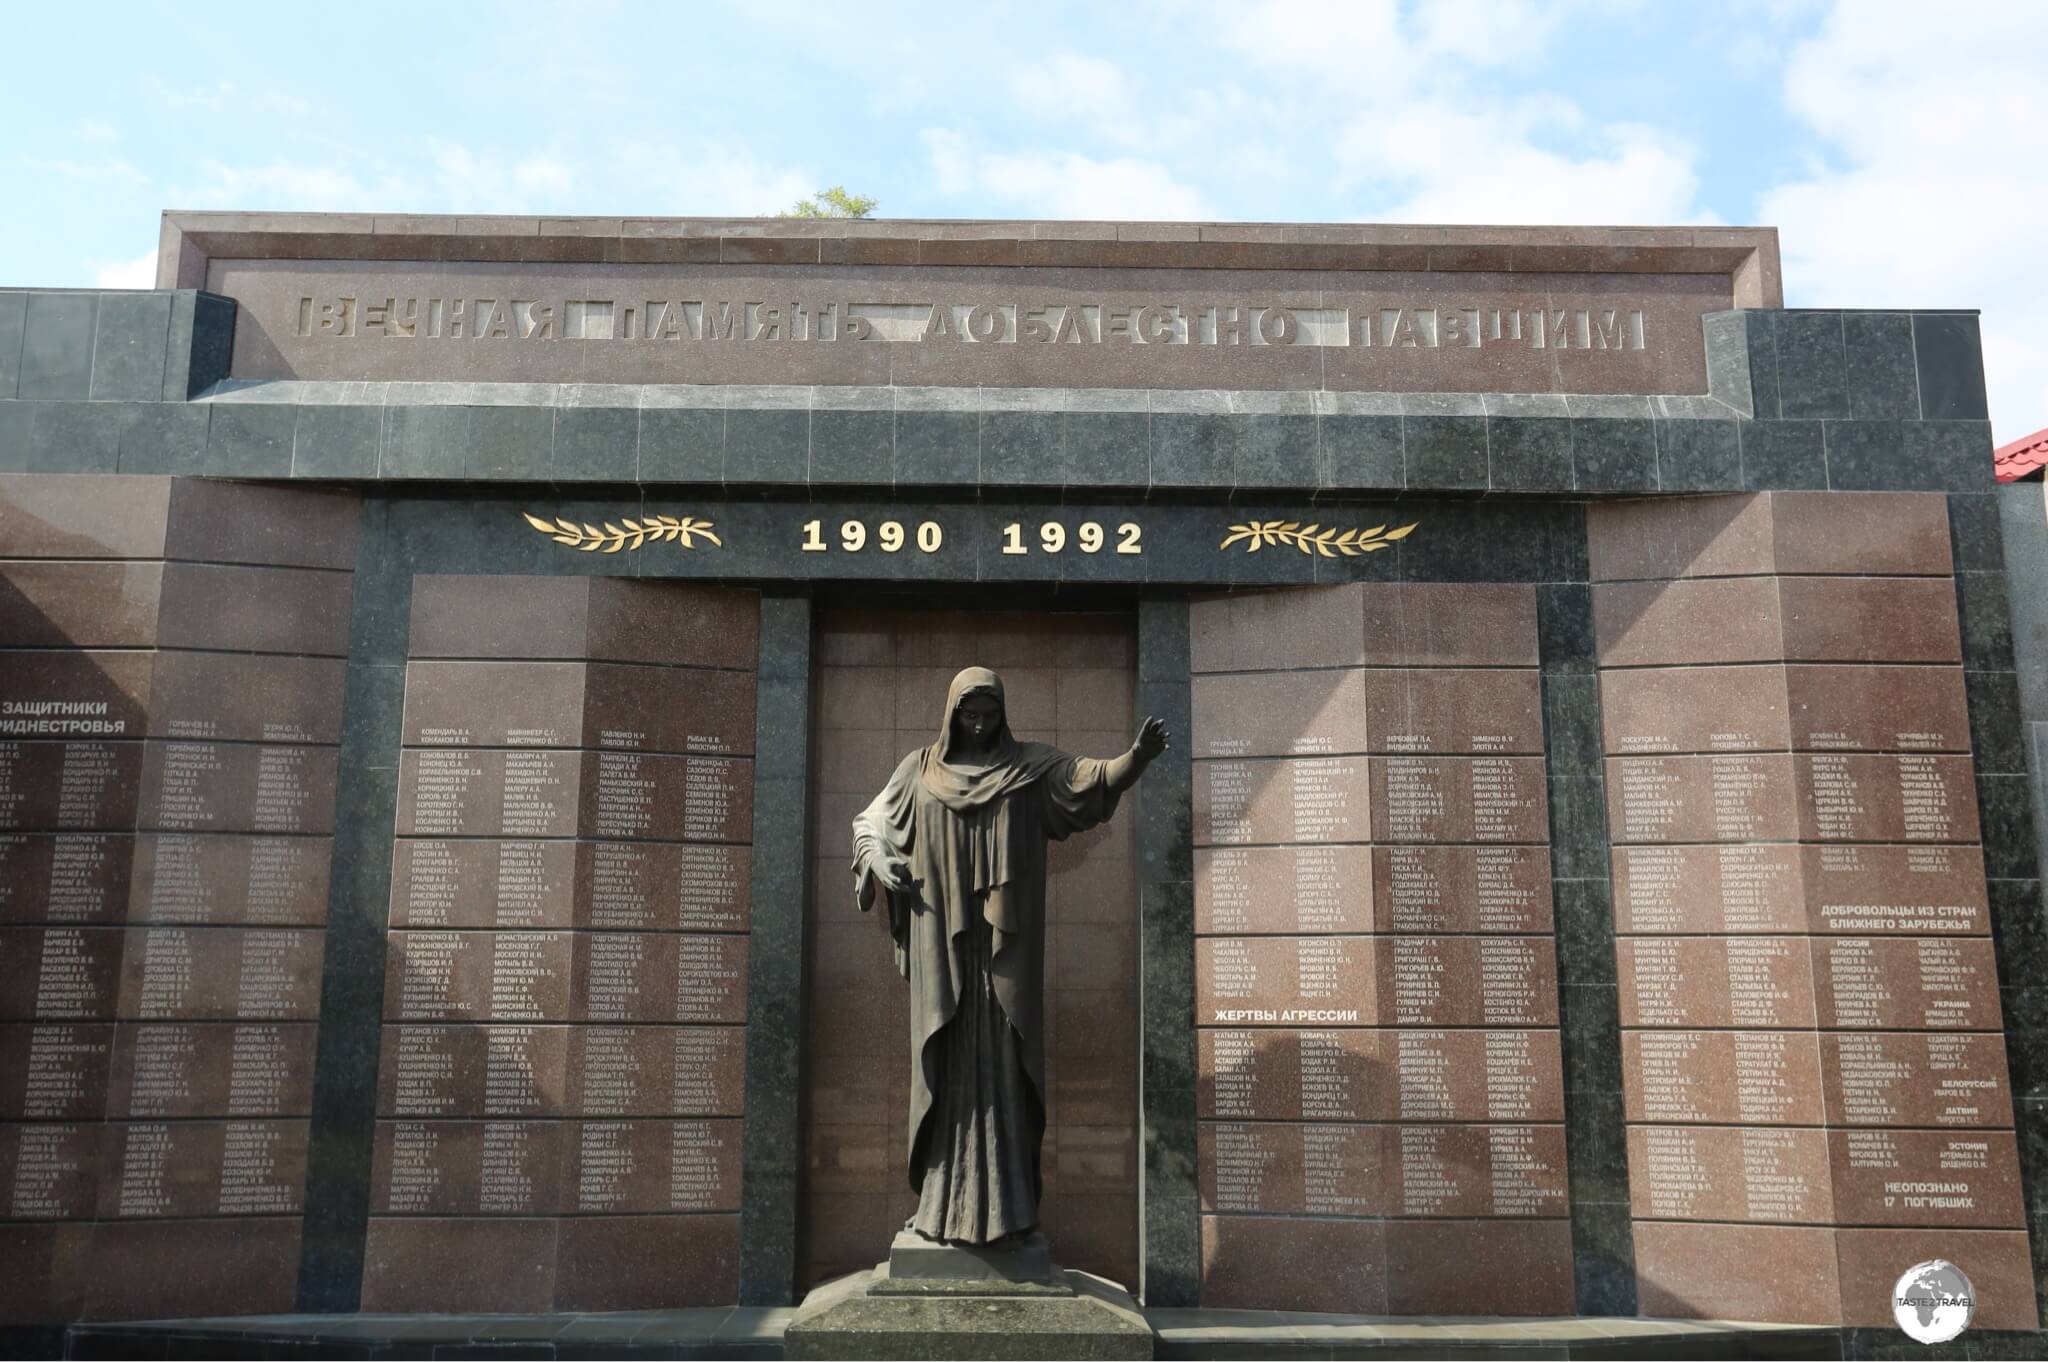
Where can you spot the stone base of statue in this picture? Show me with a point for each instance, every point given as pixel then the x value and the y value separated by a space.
pixel 1004 1300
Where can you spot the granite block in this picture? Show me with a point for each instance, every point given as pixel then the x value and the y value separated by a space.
pixel 767 445
pixel 1762 331
pixel 1698 456
pixel 682 444
pixel 1362 452
pixel 56 346
pixel 1578 827
pixel 17 426
pixel 211 348
pixel 1949 357
pixel 1997 727
pixel 1614 454
pixel 129 348
pixel 1977 537
pixel 1603 1259
pixel 1729 377
pixel 1985 620
pixel 1564 619
pixel 337 441
pixel 1951 455
pixel 2021 928
pixel 1880 366
pixel 594 444
pixel 937 447
pixel 250 440
pixel 424 442
pixel 171 437
pixel 1597 1138
pixel 1444 452
pixel 1702 1271
pixel 2005 810
pixel 13 314
pixel 1191 449
pixel 1106 449
pixel 1585 932
pixel 1276 451
pixel 1529 454
pixel 505 444
pixel 1748 1078
pixel 1023 448
pixel 1782 454
pixel 75 437
pixel 853 445
pixel 1812 365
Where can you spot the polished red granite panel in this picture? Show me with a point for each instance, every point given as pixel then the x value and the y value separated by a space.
pixel 1695 981
pixel 512 1070
pixel 1296 799
pixel 189 782
pixel 1746 1078
pixel 568 954
pixel 1734 798
pixel 1887 983
pixel 182 1070
pixel 78 878
pixel 1283 889
pixel 1915 1078
pixel 1459 799
pixel 1730 1174
pixel 1997 1262
pixel 54 1071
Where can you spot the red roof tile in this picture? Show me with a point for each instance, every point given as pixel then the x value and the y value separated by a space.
pixel 2014 461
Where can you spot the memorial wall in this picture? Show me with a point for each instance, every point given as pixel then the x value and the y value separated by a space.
pixel 170 707
pixel 565 1005
pixel 1376 980
pixel 1813 1059
pixel 1594 871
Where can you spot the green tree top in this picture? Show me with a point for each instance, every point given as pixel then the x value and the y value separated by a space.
pixel 832 203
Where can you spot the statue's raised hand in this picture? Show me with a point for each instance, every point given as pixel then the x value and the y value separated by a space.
pixel 1151 740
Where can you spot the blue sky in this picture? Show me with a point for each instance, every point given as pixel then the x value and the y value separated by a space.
pixel 1898 145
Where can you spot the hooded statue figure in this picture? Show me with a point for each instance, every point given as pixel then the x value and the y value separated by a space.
pixel 955 843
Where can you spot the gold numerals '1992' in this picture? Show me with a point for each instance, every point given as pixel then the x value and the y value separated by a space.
pixel 1088 537
pixel 890 536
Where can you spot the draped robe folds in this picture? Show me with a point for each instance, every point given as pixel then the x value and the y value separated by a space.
pixel 972 929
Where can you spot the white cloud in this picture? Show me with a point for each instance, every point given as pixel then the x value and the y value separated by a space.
pixel 290 186
pixel 1057 184
pixel 1426 129
pixel 224 96
pixel 485 182
pixel 111 169
pixel 709 180
pixel 96 130
pixel 1934 196
pixel 137 273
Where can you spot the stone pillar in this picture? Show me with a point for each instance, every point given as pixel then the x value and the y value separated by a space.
pixel 170 709
pixel 1381 1099
pixel 565 1003
pixel 1813 1068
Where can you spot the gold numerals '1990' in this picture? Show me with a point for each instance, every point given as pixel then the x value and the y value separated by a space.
pixel 890 536
pixel 1088 537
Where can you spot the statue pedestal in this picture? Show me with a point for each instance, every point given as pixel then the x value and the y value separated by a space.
pixel 957 1300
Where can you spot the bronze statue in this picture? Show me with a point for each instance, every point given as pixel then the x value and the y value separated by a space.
pixel 956 841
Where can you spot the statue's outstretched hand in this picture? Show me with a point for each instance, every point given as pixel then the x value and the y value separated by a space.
pixel 1151 740
pixel 894 873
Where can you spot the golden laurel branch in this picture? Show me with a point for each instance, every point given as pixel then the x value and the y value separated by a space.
pixel 627 534
pixel 1329 541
